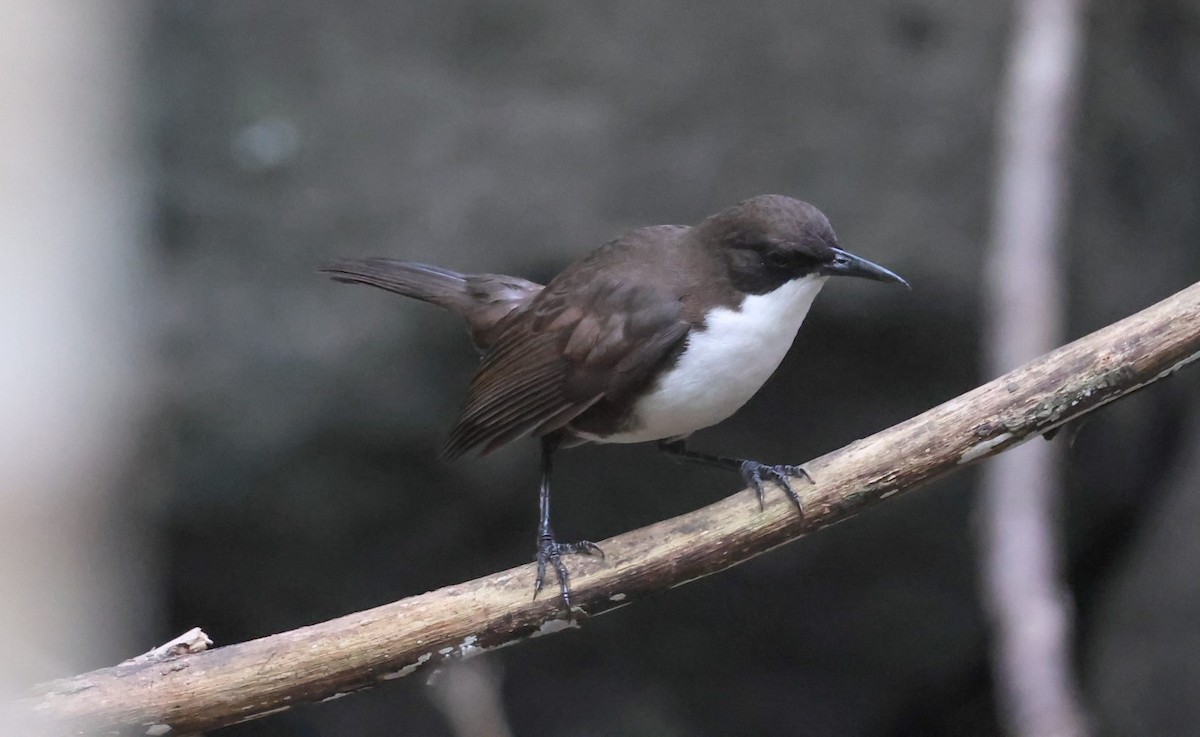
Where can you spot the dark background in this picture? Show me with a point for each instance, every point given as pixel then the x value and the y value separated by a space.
pixel 288 472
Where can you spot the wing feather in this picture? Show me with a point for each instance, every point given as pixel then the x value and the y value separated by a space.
pixel 581 340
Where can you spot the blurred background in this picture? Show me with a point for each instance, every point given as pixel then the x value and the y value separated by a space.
pixel 199 430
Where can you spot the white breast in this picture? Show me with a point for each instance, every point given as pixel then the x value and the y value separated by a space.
pixel 723 365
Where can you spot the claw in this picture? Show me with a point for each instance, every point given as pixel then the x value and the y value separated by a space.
pixel 753 473
pixel 585 547
pixel 550 552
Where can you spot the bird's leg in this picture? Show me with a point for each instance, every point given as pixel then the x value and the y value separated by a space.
pixel 752 472
pixel 549 550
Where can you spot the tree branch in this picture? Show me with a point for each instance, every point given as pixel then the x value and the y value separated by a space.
pixel 230 684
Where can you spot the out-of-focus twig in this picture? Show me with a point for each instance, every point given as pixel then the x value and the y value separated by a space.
pixel 468 695
pixel 1030 609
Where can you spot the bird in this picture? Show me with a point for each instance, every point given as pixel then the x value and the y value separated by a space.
pixel 658 333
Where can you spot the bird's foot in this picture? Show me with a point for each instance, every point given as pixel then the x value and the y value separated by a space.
pixel 754 473
pixel 550 552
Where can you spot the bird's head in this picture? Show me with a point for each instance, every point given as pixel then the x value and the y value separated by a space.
pixel 770 240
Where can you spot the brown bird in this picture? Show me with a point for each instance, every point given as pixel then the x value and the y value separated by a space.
pixel 663 331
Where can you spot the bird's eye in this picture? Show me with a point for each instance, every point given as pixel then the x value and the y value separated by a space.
pixel 777 260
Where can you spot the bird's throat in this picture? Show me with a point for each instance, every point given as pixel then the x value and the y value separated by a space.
pixel 724 363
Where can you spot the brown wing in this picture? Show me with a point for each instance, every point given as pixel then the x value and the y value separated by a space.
pixel 579 341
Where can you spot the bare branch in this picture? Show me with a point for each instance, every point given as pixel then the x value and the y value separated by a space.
pixel 238 682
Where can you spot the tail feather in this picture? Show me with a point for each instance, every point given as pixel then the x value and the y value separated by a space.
pixel 442 287
pixel 483 300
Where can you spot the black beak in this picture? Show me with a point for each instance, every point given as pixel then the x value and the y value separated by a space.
pixel 845 263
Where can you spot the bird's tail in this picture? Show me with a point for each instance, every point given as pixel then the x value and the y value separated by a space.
pixel 433 284
pixel 483 300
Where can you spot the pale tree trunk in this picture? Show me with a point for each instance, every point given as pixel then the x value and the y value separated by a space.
pixel 70 215
pixel 1029 607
